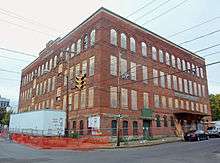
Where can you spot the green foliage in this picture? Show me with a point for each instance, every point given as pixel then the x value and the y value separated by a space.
pixel 6 118
pixel 73 135
pixel 215 106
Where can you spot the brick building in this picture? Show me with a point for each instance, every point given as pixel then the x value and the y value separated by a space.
pixel 160 84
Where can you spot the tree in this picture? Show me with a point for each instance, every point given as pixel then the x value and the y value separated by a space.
pixel 6 117
pixel 215 106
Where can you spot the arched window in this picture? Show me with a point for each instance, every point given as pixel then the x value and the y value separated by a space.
pixel 81 127
pixel 154 53
pixel 51 64
pixel 161 56
pixel 167 58
pixel 123 41
pixel 179 64
pixel 172 123
pixel 55 61
pixel 125 128
pixel 173 60
pixel 92 38
pixel 113 37
pixel 135 128
pixel 158 121
pixel 114 127
pixel 73 49
pixel 144 49
pixel 184 65
pixel 78 46
pixel 132 44
pixel 165 121
pixel 85 42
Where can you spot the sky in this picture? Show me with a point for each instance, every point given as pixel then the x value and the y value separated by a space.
pixel 44 20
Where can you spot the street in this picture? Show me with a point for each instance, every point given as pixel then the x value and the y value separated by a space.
pixel 190 152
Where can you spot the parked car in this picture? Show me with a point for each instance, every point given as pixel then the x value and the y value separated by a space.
pixel 196 135
pixel 214 131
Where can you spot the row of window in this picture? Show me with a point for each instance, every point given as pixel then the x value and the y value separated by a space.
pixel 179 84
pixel 157 55
pixel 169 102
pixel 75 48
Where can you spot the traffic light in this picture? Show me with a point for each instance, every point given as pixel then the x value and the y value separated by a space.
pixel 80 81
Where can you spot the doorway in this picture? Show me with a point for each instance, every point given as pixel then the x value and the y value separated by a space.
pixel 146 128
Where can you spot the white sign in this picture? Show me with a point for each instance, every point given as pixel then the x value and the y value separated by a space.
pixel 94 122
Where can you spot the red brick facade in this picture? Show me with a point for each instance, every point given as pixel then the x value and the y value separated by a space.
pixel 102 22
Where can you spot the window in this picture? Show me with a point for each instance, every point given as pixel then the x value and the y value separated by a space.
pixel 85 42
pixel 74 126
pixel 192 106
pixel 172 122
pixel 190 88
pixel 180 84
pixel 65 77
pixel 175 83
pixel 83 99
pixel 133 71
pixel 81 127
pixel 76 100
pixel 84 67
pixel 124 98
pixel 123 41
pixel 53 83
pixel 78 46
pixel 135 128
pixel 197 107
pixel 113 37
pixel 178 63
pixel 195 89
pixel 185 86
pixel 132 44
pixel 181 104
pixel 113 65
pixel 71 72
pixel 173 60
pixel 167 58
pixel 187 105
pixel 50 64
pixel 164 102
pixel 203 91
pixel 125 128
pixel 188 67
pixel 70 101
pixel 154 53
pixel 184 65
pixel 145 76
pixel 146 100
pixel 156 101
pixel 77 70
pixel 193 69
pixel 58 91
pixel 158 121
pixel 52 103
pixel 123 66
pixel 162 79
pixel 161 56
pixel 113 97
pixel 133 100
pixel 176 102
pixel 91 97
pixel 54 61
pixel 165 122
pixel 91 65
pixel 64 102
pixel 202 72
pixel 92 38
pixel 114 127
pixel 201 108
pixel 169 84
pixel 170 102
pixel 199 90
pixel 155 77
pixel 143 49
pixel 73 49
pixel 197 71
pixel 49 85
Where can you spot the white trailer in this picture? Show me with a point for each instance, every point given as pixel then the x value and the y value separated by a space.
pixel 47 122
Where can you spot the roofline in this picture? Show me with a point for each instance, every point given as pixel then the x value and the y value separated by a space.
pixel 128 21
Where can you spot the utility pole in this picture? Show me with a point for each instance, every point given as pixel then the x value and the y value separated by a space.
pixel 67 95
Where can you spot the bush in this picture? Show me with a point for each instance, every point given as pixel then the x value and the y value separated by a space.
pixel 73 135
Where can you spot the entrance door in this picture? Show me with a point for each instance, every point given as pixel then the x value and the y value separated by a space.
pixel 146 128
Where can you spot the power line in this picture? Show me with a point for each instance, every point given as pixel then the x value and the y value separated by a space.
pixel 195 26
pixel 136 11
pixel 27 28
pixel 211 54
pixel 160 5
pixel 210 47
pixel 19 52
pixel 208 34
pixel 156 17
pixel 28 20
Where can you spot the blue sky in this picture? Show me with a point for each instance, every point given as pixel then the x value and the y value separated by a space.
pixel 56 18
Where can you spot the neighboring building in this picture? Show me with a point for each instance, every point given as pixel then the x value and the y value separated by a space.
pixel 4 103
pixel 161 84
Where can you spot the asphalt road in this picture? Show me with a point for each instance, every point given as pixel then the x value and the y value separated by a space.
pixel 180 152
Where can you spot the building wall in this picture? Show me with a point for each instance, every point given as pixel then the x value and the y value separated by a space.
pixel 102 80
